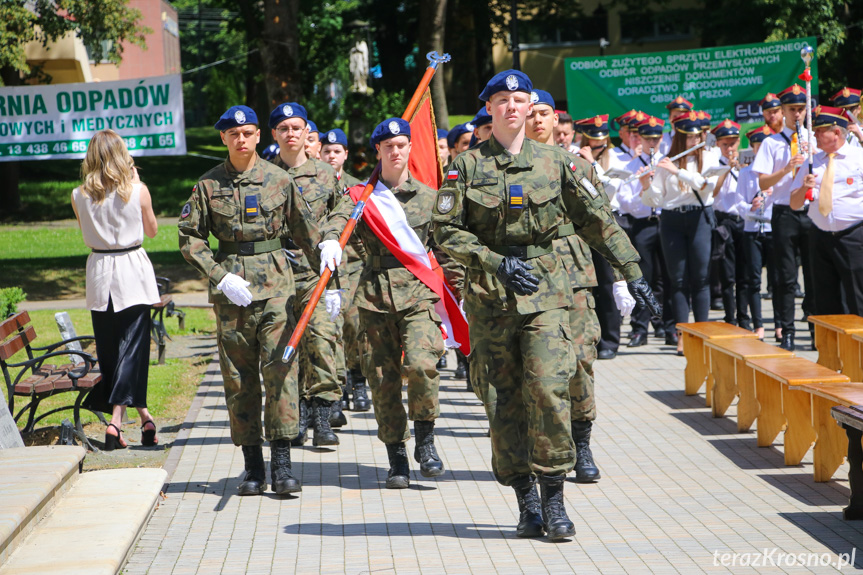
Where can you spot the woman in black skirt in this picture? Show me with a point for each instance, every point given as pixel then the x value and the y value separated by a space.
pixel 114 211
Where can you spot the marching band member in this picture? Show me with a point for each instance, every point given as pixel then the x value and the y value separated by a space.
pixel 676 108
pixel 848 100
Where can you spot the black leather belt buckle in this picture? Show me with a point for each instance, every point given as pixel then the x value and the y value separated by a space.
pixel 246 248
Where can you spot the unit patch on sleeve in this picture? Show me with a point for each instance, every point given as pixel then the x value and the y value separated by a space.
pixel 445 202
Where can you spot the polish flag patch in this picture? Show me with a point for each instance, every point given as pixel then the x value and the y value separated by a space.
pixel 572 166
pixel 452 175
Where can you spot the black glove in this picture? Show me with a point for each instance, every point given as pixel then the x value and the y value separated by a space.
pixel 643 296
pixel 515 276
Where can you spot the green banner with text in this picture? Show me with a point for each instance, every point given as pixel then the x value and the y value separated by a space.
pixel 726 82
pixel 57 121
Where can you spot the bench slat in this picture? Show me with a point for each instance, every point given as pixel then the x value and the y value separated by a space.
pixel 795 370
pixel 13 324
pixel 17 342
pixel 843 323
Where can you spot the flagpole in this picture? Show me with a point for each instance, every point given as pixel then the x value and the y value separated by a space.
pixel 806 54
pixel 434 60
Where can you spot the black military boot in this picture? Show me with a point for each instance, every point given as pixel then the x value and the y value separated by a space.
pixel 255 480
pixel 281 478
pixel 321 421
pixel 424 452
pixel 529 508
pixel 441 363
pixel 586 470
pixel 557 524
pixel 461 365
pixel 346 398
pixel 361 398
pixel 398 476
pixel 303 424
pixel 337 416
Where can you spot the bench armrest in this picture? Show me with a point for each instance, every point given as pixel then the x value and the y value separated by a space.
pixel 36 362
pixel 54 346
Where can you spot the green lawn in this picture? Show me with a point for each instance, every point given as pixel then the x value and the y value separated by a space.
pixel 170 386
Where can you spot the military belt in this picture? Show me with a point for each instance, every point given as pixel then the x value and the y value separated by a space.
pixel 249 248
pixel 536 250
pixel 384 262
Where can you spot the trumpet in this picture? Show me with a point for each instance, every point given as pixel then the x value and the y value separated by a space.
pixel 673 158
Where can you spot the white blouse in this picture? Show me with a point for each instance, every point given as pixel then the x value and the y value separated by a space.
pixel 669 191
pixel 126 277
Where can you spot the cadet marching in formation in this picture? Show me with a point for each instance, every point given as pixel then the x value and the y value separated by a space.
pixel 550 235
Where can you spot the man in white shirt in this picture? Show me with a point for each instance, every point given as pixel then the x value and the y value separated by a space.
pixel 836 209
pixel 777 162
pixel 848 100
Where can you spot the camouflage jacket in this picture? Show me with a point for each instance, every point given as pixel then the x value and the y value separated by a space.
pixel 321 191
pixel 355 254
pixel 394 289
pixel 217 206
pixel 495 203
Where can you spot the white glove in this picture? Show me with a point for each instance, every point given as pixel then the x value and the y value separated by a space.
pixel 333 301
pixel 622 298
pixel 236 289
pixel 330 251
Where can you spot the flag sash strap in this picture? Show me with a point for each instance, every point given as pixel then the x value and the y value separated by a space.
pixel 387 220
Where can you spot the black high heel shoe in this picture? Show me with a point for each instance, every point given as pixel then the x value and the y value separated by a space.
pixel 148 436
pixel 112 442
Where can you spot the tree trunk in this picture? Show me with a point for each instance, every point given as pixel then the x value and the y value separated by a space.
pixel 10 195
pixel 432 23
pixel 280 50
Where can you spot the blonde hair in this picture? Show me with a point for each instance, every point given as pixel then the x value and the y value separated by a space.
pixel 107 168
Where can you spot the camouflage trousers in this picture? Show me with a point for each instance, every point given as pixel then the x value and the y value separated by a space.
pixel 585 335
pixel 317 352
pixel 383 338
pixel 252 340
pixel 521 367
pixel 349 323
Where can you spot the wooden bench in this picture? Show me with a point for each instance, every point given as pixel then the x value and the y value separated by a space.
pixel 851 418
pixel 730 376
pixel 697 364
pixel 36 379
pixel 856 360
pixel 158 333
pixel 834 341
pixel 831 444
pixel 782 407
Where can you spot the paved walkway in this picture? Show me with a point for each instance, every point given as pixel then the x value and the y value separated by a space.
pixel 680 493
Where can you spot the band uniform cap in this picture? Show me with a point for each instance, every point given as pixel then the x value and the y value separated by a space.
pixel 687 123
pixel 727 129
pixel 335 136
pixel 623 119
pixel 770 100
pixel 441 133
pixel 481 119
pixel 506 81
pixel 704 120
pixel 759 134
pixel 390 128
pixel 846 98
pixel 313 127
pixel 236 116
pixel 541 97
pixel 594 127
pixel 793 94
pixel 457 133
pixel 679 103
pixel 636 119
pixel 829 116
pixel 287 110
pixel 650 126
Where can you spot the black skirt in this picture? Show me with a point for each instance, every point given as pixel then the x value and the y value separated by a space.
pixel 123 351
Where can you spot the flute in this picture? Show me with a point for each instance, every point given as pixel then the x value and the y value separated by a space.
pixel 673 158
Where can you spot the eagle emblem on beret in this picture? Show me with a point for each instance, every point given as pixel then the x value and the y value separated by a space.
pixel 639 116
pixel 846 92
pixel 331 137
pixel 597 121
pixel 469 127
pixel 511 82
pixel 727 123
pixel 693 116
pixel 394 127
pixel 652 121
pixel 287 111
pixel 240 117
pixel 679 99
pixel 534 97
pixel 796 89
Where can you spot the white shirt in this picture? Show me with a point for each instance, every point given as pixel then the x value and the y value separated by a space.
pixel 847 189
pixel 616 159
pixel 665 142
pixel 669 191
pixel 629 195
pixel 748 188
pixel 728 200
pixel 774 154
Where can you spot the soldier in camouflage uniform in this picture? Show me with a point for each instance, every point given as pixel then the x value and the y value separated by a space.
pixel 318 350
pixel 250 205
pixel 509 202
pixel 397 314
pixel 335 152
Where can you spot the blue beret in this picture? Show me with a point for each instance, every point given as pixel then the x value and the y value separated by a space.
pixel 236 116
pixel 457 132
pixel 335 136
pixel 287 110
pixel 481 119
pixel 541 97
pixel 441 133
pixel 390 128
pixel 508 80
pixel 313 127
